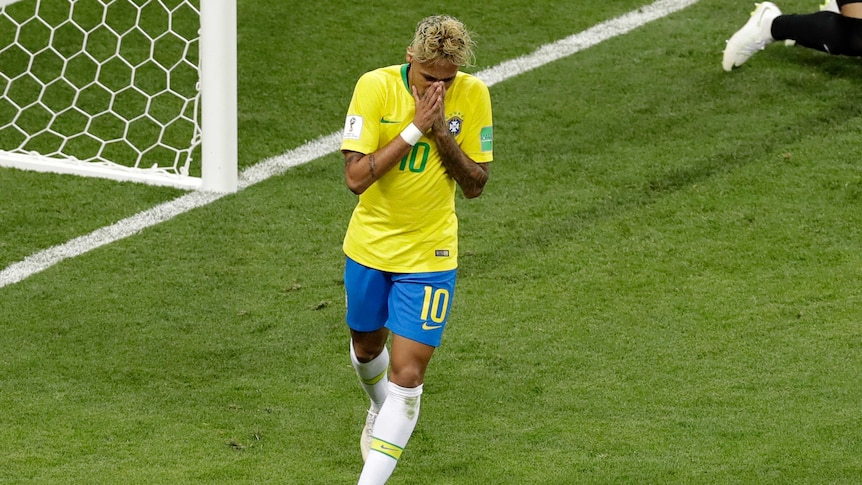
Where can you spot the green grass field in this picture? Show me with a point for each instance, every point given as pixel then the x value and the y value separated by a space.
pixel 661 283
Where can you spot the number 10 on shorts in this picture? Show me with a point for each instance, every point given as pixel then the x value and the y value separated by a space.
pixel 436 304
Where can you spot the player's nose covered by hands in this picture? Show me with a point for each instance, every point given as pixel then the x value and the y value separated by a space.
pixel 429 105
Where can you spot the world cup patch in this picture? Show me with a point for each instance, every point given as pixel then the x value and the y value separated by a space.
pixel 455 125
pixel 352 127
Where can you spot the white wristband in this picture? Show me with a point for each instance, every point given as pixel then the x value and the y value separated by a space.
pixel 411 134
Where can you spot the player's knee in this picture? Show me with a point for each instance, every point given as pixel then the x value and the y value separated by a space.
pixel 367 346
pixel 407 377
pixel 367 354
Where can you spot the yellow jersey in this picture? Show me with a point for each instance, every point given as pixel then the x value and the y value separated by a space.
pixel 405 222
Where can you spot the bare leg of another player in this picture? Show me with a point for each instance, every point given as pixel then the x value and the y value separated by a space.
pixel 826 31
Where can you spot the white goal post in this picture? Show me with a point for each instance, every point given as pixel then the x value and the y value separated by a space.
pixel 130 90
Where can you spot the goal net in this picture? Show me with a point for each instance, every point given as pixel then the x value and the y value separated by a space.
pixel 141 90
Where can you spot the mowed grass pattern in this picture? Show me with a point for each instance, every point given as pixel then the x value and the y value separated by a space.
pixel 660 284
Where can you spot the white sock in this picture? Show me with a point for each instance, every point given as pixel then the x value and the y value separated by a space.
pixel 392 430
pixel 373 377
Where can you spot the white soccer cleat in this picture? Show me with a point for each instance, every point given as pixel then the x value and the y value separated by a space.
pixel 365 437
pixel 830 6
pixel 753 37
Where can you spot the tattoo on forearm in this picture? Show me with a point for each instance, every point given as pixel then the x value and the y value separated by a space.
pixel 353 158
pixel 372 165
pixel 466 172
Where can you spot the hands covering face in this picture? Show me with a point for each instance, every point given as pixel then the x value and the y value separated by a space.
pixel 430 108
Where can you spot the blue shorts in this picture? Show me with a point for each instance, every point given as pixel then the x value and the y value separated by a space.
pixel 411 305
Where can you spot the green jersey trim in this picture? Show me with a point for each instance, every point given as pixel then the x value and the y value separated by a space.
pixel 404 69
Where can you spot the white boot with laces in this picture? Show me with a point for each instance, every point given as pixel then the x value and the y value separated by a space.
pixel 753 37
pixel 365 437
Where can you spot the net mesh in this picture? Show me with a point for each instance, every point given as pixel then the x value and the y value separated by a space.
pixel 110 82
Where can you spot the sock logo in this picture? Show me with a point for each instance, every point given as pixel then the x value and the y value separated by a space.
pixel 388 449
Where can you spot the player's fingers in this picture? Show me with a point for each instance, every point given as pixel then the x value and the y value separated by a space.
pixel 441 88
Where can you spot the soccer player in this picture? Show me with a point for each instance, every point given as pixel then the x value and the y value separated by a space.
pixel 413 132
pixel 835 29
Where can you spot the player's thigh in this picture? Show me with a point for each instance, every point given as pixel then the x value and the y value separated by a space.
pixel 409 361
pixel 419 305
pixel 367 294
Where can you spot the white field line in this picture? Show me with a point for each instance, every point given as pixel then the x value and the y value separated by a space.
pixel 325 145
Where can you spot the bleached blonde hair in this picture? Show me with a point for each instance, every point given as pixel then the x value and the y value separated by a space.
pixel 442 37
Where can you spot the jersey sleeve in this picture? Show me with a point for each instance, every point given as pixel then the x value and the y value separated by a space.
pixel 479 140
pixel 362 125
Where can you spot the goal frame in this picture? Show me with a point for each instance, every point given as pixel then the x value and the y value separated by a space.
pixel 218 117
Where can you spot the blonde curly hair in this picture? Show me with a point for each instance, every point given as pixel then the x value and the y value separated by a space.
pixel 442 37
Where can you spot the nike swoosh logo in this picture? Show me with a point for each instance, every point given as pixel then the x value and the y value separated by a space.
pixel 388 122
pixel 388 448
pixel 425 326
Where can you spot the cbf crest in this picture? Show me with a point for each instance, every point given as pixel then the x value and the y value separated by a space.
pixel 455 124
